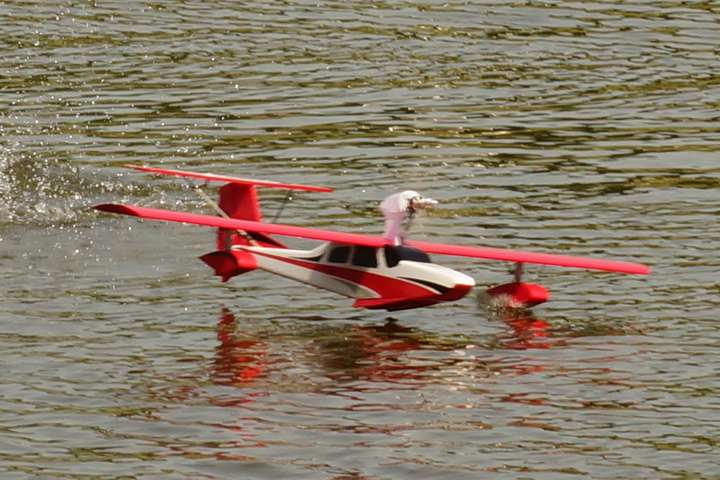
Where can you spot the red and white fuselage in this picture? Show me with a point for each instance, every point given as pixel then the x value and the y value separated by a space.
pixel 390 277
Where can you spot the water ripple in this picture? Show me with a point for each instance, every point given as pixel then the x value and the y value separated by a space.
pixel 584 128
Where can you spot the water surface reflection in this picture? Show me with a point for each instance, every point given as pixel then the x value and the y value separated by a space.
pixel 388 352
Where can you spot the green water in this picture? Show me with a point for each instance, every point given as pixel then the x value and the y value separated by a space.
pixel 584 128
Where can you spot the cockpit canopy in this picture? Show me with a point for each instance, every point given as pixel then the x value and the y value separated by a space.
pixel 363 256
pixel 395 253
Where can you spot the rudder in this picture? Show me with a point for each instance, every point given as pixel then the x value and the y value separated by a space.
pixel 241 201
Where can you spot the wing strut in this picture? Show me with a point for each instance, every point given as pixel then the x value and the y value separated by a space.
pixel 517 274
pixel 282 206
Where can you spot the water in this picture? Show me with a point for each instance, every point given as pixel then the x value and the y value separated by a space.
pixel 587 128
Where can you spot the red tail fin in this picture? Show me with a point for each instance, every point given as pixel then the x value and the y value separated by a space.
pixel 238 201
pixel 241 201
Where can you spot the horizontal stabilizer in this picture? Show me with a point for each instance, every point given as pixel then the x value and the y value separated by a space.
pixel 223 178
pixel 246 225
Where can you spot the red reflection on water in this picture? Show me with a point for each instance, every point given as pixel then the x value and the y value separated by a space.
pixel 375 353
pixel 240 359
pixel 527 332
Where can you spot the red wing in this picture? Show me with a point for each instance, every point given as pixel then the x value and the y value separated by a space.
pixel 246 225
pixel 371 241
pixel 528 257
pixel 223 178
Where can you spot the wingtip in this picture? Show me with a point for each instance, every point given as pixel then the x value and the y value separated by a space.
pixel 638 269
pixel 112 208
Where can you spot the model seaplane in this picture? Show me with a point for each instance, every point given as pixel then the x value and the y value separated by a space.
pixel 387 272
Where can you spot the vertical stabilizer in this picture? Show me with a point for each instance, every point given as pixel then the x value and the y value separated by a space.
pixel 241 201
pixel 237 201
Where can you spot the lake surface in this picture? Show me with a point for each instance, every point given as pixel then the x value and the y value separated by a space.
pixel 584 128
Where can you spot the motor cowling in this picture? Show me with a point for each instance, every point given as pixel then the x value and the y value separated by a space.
pixel 398 206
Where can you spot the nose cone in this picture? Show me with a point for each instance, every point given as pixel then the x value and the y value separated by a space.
pixel 419 284
pixel 457 292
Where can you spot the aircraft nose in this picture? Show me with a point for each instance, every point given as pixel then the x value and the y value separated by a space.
pixel 458 291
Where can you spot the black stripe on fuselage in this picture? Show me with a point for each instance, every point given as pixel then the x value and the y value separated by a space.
pixel 434 286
